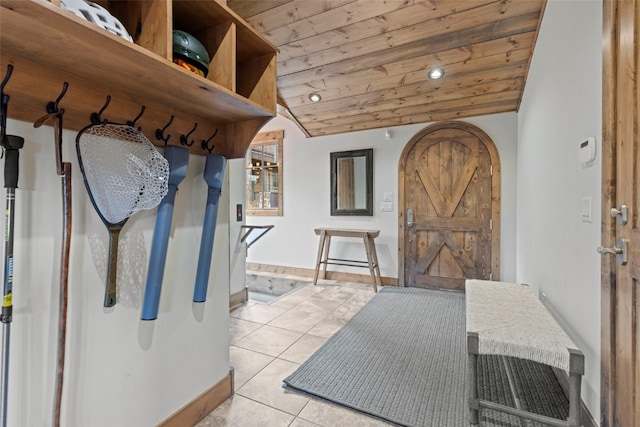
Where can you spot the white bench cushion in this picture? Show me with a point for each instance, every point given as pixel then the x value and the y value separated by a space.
pixel 509 320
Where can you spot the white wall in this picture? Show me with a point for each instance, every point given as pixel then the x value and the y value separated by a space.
pixel 238 262
pixel 306 192
pixel 562 106
pixel 120 371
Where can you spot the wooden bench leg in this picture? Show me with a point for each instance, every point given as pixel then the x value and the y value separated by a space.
pixel 575 418
pixel 473 389
pixel 319 257
pixel 576 370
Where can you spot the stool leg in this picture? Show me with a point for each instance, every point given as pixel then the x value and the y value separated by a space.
pixel 376 265
pixel 367 249
pixel 327 244
pixel 319 257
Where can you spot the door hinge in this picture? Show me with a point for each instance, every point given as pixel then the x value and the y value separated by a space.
pixel 491 225
pixel 491 170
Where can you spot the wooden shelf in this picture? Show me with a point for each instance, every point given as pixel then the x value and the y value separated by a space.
pixel 48 46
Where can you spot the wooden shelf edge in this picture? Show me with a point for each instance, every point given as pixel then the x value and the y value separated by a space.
pixel 47 46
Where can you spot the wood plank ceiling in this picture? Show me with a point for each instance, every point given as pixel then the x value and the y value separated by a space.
pixel 368 59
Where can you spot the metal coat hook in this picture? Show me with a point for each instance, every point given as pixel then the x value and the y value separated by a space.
pixel 52 107
pixel 53 110
pixel 133 123
pixel 160 132
pixel 205 143
pixel 6 78
pixel 4 102
pixel 184 139
pixel 96 118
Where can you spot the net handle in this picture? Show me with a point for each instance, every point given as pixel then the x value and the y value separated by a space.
pixel 112 266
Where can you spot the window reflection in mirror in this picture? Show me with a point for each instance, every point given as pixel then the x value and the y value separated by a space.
pixel 352 182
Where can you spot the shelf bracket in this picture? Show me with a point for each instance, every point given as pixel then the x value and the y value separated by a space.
pixel 253 233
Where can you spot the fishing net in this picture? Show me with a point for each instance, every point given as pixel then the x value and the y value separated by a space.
pixel 124 171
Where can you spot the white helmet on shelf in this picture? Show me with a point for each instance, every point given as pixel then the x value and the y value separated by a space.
pixel 96 14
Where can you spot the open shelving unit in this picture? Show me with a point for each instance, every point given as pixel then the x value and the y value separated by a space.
pixel 48 46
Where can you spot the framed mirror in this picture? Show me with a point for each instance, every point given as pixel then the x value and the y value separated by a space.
pixel 352 182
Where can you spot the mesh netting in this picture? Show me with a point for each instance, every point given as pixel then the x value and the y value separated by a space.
pixel 124 171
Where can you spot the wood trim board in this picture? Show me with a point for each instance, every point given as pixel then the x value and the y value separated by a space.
pixel 196 410
pixel 239 297
pixel 309 272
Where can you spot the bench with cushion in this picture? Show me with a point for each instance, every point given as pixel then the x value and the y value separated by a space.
pixel 507 319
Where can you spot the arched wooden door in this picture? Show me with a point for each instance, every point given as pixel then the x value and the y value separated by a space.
pixel 449 207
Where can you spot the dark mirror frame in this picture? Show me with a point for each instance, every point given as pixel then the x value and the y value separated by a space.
pixel 368 155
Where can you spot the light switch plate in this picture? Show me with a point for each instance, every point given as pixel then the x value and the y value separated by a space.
pixel 587 152
pixel 386 207
pixel 387 197
pixel 585 209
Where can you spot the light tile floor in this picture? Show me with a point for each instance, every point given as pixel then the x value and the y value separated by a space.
pixel 269 341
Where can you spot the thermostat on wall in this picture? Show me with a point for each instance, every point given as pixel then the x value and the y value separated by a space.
pixel 587 151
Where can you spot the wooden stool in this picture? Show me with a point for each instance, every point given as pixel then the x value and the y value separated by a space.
pixel 367 237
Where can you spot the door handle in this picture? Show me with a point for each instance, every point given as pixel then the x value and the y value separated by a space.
pixel 620 249
pixel 621 213
pixel 410 217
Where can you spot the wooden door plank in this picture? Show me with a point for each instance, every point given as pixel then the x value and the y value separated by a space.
pixel 455 223
pixel 632 162
pixel 626 134
pixel 426 259
pixel 431 282
pixel 432 191
pixel 429 161
pixel 484 236
pixel 410 242
pixel 445 174
pixel 458 254
pixel 402 221
pixel 460 187
pixel 609 197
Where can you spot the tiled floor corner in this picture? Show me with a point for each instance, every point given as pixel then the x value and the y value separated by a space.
pixel 269 341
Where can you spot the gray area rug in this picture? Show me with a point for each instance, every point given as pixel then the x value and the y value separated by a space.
pixel 403 358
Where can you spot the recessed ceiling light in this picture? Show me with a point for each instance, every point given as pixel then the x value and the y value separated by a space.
pixel 315 97
pixel 436 73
